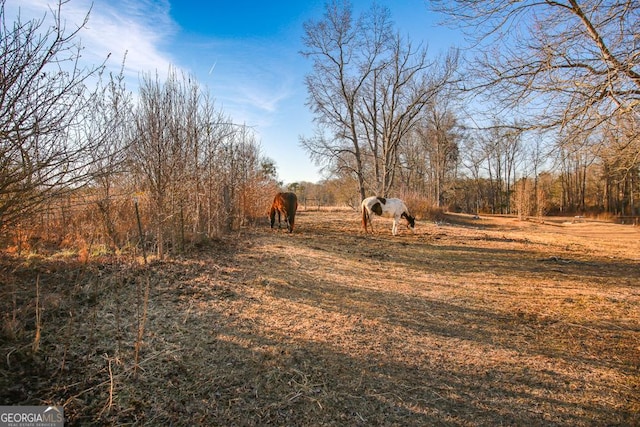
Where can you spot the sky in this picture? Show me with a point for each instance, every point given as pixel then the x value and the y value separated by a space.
pixel 245 53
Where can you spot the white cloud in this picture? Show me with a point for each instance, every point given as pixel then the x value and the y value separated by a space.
pixel 263 98
pixel 252 79
pixel 137 28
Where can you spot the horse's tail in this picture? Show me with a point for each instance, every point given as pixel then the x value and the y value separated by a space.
pixel 365 217
pixel 272 214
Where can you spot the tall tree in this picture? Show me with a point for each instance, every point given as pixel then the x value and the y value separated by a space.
pixel 400 90
pixel 367 91
pixel 440 138
pixel 153 151
pixel 345 53
pixel 108 123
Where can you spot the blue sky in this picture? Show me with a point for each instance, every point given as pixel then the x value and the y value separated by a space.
pixel 245 52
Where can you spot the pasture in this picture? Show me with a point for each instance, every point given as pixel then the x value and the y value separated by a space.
pixel 468 323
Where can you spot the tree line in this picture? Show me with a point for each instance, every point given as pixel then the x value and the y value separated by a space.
pixel 540 117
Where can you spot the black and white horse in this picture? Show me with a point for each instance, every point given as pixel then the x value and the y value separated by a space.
pixel 387 208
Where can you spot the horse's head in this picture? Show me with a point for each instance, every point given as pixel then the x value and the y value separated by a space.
pixel 410 219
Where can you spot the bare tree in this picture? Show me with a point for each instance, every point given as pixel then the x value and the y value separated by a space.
pixel 472 158
pixel 576 159
pixel 367 91
pixel 398 93
pixel 107 123
pixel 440 139
pixel 574 61
pixel 156 156
pixel 42 96
pixel 431 153
pixel 620 161
pixel 501 150
pixel 345 53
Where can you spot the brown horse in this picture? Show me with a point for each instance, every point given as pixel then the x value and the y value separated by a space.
pixel 285 204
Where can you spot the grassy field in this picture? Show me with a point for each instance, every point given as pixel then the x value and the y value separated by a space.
pixel 468 322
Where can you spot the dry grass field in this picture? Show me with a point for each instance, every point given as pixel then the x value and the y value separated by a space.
pixel 482 322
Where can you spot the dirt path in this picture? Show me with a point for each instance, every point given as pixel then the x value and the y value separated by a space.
pixel 486 322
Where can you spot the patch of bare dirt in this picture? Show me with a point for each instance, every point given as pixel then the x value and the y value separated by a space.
pixel 467 322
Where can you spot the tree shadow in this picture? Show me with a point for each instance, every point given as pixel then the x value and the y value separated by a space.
pixel 259 336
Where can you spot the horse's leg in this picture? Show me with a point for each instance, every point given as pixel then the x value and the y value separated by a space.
pixel 286 221
pixel 289 224
pixel 292 221
pixel 367 220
